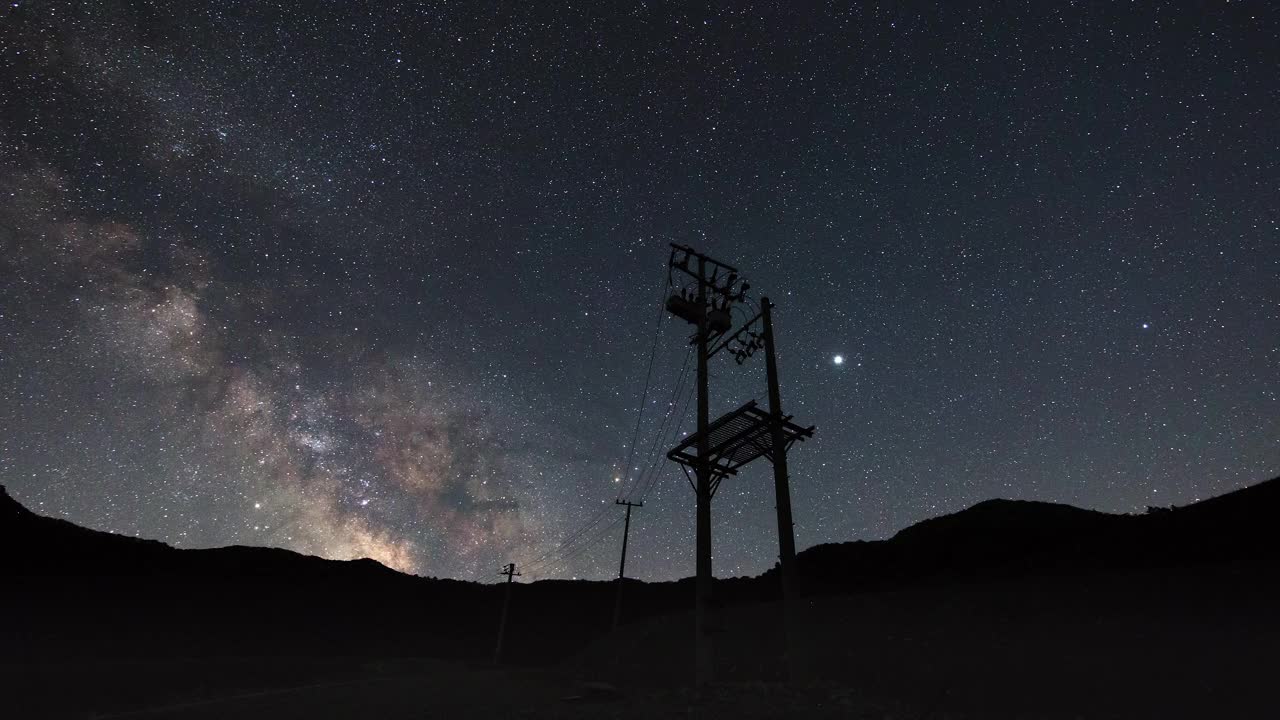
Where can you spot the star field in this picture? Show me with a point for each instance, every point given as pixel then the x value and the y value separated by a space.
pixel 383 279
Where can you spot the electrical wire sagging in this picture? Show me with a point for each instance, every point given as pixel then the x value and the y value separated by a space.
pixel 597 526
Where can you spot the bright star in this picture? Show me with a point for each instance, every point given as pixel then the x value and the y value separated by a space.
pixel 839 359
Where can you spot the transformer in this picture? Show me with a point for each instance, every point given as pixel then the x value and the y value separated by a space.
pixel 718 321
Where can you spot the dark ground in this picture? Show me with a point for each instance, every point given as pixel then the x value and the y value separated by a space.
pixel 1007 610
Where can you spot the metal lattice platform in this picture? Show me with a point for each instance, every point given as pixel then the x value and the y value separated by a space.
pixel 736 439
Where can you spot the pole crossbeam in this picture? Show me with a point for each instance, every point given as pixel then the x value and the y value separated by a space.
pixel 738 437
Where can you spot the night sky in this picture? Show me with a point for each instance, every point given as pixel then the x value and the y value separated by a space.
pixel 374 279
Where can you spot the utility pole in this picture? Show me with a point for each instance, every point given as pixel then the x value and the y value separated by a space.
pixel 720 449
pixel 622 565
pixel 510 572
pixel 709 311
pixel 778 454
pixel 704 659
pixel 781 487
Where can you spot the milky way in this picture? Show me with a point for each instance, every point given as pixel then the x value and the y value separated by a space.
pixel 383 280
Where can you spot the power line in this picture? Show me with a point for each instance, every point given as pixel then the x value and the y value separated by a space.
pixel 575 544
pixel 591 522
pixel 655 474
pixel 662 427
pixel 546 556
pixel 579 541
pixel 648 375
pixel 661 440
pixel 546 567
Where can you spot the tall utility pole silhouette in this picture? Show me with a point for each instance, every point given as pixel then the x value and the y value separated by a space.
pixel 717 450
pixel 704 657
pixel 510 572
pixel 622 564
pixel 709 311
pixel 781 488
pixel 786 530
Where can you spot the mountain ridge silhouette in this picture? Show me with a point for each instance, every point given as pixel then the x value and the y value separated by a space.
pixel 1055 596
pixel 1002 529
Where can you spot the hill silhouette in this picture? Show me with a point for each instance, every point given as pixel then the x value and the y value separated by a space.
pixel 987 539
pixel 1016 538
pixel 80 597
pixel 38 546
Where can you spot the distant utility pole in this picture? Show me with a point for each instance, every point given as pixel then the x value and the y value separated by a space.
pixel 622 565
pixel 719 449
pixel 510 572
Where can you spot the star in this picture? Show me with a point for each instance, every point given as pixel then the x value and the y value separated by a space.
pixel 394 317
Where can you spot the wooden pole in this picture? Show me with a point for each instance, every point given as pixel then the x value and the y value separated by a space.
pixel 703 653
pixel 510 572
pixel 622 564
pixel 781 488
